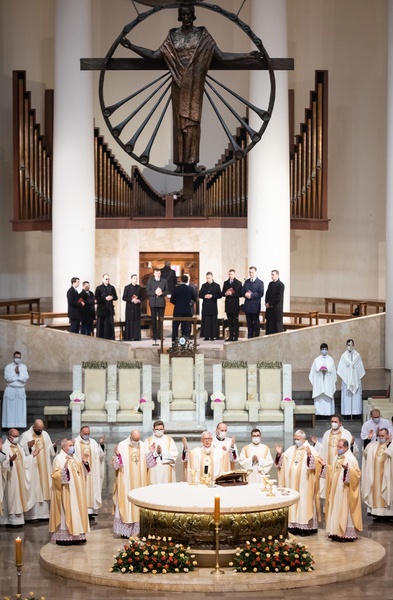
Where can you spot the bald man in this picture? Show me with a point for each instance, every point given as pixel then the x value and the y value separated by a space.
pixel 36 438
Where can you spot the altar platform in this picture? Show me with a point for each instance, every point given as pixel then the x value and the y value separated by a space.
pixel 92 562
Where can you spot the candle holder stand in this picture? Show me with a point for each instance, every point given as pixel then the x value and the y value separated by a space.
pixel 19 579
pixel 217 570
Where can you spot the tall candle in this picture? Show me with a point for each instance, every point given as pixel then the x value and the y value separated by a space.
pixel 18 551
pixel 217 508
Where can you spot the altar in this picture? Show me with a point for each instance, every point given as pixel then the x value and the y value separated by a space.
pixel 185 512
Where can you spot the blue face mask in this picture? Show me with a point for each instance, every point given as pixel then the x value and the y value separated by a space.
pixel 85 437
pixel 71 450
pixel 340 451
pixel 324 352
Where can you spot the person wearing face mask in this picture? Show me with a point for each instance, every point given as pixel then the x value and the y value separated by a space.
pixel 14 397
pixel 68 522
pixel 207 459
pixel 165 453
pixel 343 511
pixel 377 477
pixel 36 438
pixel 323 379
pixel 255 458
pixel 370 429
pixel 351 370
pixel 328 448
pixel 299 468
pixel 130 464
pixel 92 454
pixel 18 470
pixel 225 444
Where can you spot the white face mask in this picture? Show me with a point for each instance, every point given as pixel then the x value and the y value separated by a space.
pixel 71 450
pixel 17 360
pixel 299 443
pixel 349 348
pixel 335 425
pixel 324 352
pixel 382 440
pixel 159 432
pixel 85 438
pixel 376 420
pixel 256 439
pixel 134 444
pixel 15 440
pixel 221 435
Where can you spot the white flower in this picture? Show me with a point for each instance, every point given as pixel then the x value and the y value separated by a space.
pixel 123 570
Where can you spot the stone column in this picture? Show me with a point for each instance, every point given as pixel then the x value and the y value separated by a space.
pixel 73 220
pixel 389 201
pixel 268 181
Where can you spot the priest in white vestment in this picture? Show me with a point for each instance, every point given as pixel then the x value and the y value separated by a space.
pixel 299 468
pixel 377 476
pixel 328 448
pixel 130 464
pixel 35 438
pixel 222 441
pixel 370 429
pixel 323 378
pixel 351 370
pixel 206 460
pixel 255 458
pixel 164 452
pixel 14 397
pixel 69 521
pixel 3 458
pixel 18 469
pixel 92 454
pixel 343 511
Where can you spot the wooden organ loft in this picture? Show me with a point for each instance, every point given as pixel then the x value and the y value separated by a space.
pixel 126 201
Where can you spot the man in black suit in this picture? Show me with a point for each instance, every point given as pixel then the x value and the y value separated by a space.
pixel 253 292
pixel 132 296
pixel 182 297
pixel 88 311
pixel 75 304
pixel 105 295
pixel 210 292
pixel 274 304
pixel 156 290
pixel 232 290
pixel 170 275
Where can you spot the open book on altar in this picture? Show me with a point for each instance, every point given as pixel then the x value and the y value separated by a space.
pixel 232 478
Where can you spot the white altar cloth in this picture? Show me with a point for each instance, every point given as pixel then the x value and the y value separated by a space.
pixel 185 498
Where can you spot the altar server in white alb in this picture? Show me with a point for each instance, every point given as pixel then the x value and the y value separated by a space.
pixel 164 452
pixel 14 398
pixel 17 480
pixel 255 458
pixel 351 370
pixel 206 460
pixel 92 454
pixel 377 476
pixel 323 378
pixel 35 438
pixel 130 464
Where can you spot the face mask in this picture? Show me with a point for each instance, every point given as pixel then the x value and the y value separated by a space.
pixel 324 352
pixel 17 360
pixel 37 432
pixel 382 441
pixel 299 443
pixel 15 440
pixel 256 440
pixel 85 437
pixel 349 348
pixel 159 432
pixel 335 425
pixel 221 435
pixel 340 451
pixel 134 444
pixel 71 450
pixel 376 420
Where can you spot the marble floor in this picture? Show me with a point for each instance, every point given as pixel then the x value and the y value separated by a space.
pixel 36 578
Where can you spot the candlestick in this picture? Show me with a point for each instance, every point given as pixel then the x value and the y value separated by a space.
pixel 217 509
pixel 18 552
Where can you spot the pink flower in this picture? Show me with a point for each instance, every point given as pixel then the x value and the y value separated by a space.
pixel 287 399
pixel 142 400
pixel 77 400
pixel 217 400
pixel 323 368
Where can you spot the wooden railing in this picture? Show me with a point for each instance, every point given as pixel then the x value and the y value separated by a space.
pixel 308 162
pixel 122 199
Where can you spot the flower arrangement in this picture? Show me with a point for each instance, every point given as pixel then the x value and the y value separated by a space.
pixel 272 555
pixel 323 368
pixel 142 400
pixel 287 399
pixel 153 555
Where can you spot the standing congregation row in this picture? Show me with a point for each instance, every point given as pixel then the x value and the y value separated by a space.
pixel 86 308
pixel 37 483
